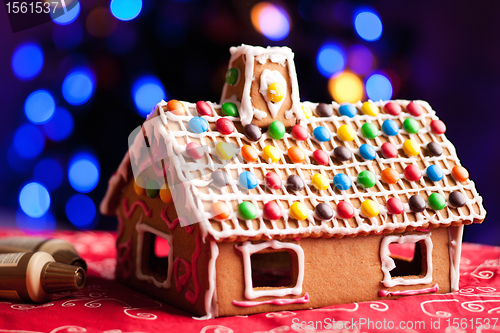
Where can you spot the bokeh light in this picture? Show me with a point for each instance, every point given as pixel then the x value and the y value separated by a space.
pixel 28 141
pixel 360 59
pixel 49 173
pixel 125 10
pixel 378 87
pixel 346 87
pixel 31 225
pixel 147 91
pixel 330 59
pixel 27 61
pixel 34 199
pixel 78 86
pixel 68 36
pixel 39 106
pixel 17 163
pixel 83 172
pixel 81 211
pixel 270 20
pixel 100 23
pixel 68 17
pixel 60 126
pixel 368 25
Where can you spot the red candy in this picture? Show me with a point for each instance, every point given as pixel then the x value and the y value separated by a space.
pixel 273 180
pixel 395 206
pixel 272 211
pixel 321 157
pixel 224 126
pixel 300 133
pixel 414 109
pixel 345 210
pixel 389 150
pixel 194 150
pixel 438 127
pixel 413 173
pixel 392 108
pixel 204 109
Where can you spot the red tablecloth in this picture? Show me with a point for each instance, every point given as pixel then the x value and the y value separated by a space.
pixel 106 306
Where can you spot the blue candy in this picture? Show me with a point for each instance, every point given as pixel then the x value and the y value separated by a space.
pixel 321 134
pixel 434 173
pixel 367 152
pixel 247 180
pixel 390 127
pixel 198 125
pixel 348 110
pixel 342 182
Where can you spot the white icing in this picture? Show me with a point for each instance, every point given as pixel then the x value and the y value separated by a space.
pixel 211 308
pixel 455 248
pixel 266 79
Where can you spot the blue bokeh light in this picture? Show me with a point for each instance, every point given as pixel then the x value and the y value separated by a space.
pixel 81 211
pixel 360 59
pixel 274 22
pixel 83 172
pixel 28 141
pixel 60 126
pixel 378 87
pixel 31 225
pixel 368 25
pixel 68 17
pixel 68 36
pixel 330 59
pixel 39 106
pixel 49 173
pixel 125 10
pixel 27 61
pixel 78 86
pixel 17 163
pixel 34 199
pixel 147 91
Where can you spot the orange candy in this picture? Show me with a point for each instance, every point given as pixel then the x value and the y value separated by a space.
pixel 460 173
pixel 175 107
pixel 165 194
pixel 390 176
pixel 139 190
pixel 296 154
pixel 249 153
pixel 220 210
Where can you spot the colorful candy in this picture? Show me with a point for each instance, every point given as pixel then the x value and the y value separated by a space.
pixel 438 127
pixel 413 173
pixel 271 211
pixel 275 92
pixel 434 148
pixel 198 125
pixel 139 190
pixel 232 76
pixel 434 172
pixel 321 157
pixel 390 176
pixel 194 150
pixel 219 178
pixel 296 154
pixel 307 111
pixel 271 154
pixel 390 127
pixel 366 179
pixel 249 153
pixel 436 201
pixel 348 110
pixel 342 182
pixel 175 107
pixel 457 199
pixel 224 126
pixel 299 211
pixel 166 194
pixel 321 134
pixel 345 210
pixel 276 130
pixel 248 180
pixel 395 206
pixel 204 109
pixel 247 210
pixel 411 148
pixel 369 208
pixel 389 150
pixel 369 131
pixel 411 126
pixel 324 110
pixel 230 109
pixel 295 183
pixel 320 182
pixel 324 211
pixel 152 189
pixel 342 153
pixel 367 151
pixel 220 210
pixel 460 173
pixel 346 133
pixel 272 180
pixel 392 108
pixel 370 109
pixel 252 132
pixel 416 203
pixel 300 133
pixel 224 151
pixel 414 109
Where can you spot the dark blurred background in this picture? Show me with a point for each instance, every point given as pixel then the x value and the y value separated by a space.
pixel 95 72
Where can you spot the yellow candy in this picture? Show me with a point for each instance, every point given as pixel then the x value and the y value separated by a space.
pixel 271 154
pixel 139 190
pixel 411 148
pixel 275 92
pixel 308 113
pixel 346 133
pixel 299 211
pixel 320 181
pixel 165 194
pixel 369 109
pixel 369 208
pixel 224 151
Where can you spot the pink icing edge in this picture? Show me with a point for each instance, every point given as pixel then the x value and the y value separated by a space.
pixel 423 230
pixel 433 289
pixel 129 211
pixel 276 301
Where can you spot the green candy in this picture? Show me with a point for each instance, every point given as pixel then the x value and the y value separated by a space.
pixel 277 130
pixel 411 125
pixel 232 76
pixel 152 189
pixel 366 179
pixel 437 201
pixel 230 109
pixel 247 210
pixel 369 131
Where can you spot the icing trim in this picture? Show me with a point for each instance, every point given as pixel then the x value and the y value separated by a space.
pixel 211 308
pixel 139 203
pixel 433 289
pixel 455 249
pixel 192 296
pixel 277 301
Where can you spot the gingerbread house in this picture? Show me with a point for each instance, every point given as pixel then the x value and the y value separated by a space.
pixel 266 203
